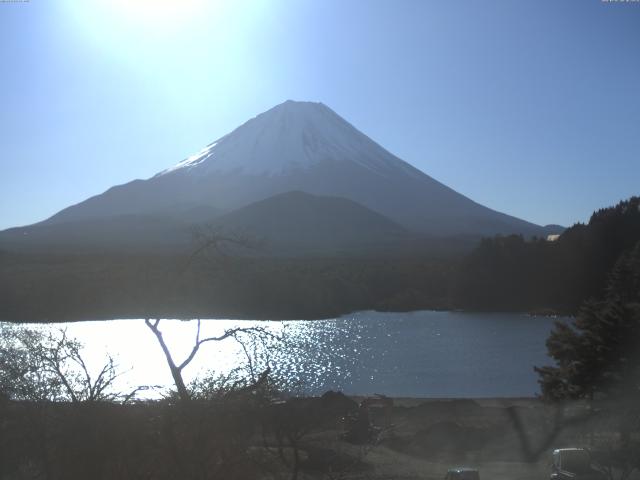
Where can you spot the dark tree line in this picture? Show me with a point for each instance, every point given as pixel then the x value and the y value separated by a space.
pixel 512 273
pixel 78 287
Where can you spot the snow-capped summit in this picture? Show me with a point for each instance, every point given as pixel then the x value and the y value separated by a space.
pixel 305 147
pixel 290 136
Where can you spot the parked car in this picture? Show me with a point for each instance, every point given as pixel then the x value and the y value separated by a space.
pixel 462 473
pixel 573 464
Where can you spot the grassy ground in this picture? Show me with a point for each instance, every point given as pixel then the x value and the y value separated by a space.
pixel 240 438
pixel 422 439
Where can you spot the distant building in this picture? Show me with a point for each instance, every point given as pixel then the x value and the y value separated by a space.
pixel 553 238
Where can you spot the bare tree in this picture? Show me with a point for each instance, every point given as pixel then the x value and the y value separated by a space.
pixel 559 424
pixel 62 356
pixel 218 246
pixel 176 368
pixel 50 366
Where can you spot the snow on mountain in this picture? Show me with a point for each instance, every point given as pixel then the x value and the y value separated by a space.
pixel 288 137
pixel 306 147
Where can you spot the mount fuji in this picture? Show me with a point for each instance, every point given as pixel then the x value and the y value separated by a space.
pixel 300 147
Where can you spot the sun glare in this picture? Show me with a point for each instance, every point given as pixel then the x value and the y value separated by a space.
pixel 157 14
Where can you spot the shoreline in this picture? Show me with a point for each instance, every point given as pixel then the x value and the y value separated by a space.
pixel 410 402
pixel 213 317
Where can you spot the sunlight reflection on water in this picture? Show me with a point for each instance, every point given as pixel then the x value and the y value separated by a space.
pixel 416 354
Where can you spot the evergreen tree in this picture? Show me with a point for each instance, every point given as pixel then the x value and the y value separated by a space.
pixel 513 273
pixel 597 356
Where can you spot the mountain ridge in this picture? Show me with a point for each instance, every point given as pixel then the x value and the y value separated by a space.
pixel 295 222
pixel 301 146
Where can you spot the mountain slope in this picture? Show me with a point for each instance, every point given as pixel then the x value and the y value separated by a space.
pixel 297 222
pixel 135 232
pixel 302 146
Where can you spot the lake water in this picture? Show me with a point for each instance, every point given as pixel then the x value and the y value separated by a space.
pixel 416 354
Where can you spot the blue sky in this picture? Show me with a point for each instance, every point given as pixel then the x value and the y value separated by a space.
pixel 529 107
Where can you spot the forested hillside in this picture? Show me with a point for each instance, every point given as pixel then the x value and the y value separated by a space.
pixel 511 273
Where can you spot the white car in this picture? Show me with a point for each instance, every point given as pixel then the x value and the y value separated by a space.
pixel 573 464
pixel 462 473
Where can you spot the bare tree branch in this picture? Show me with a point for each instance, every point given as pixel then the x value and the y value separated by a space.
pixel 208 238
pixel 560 423
pixel 176 369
